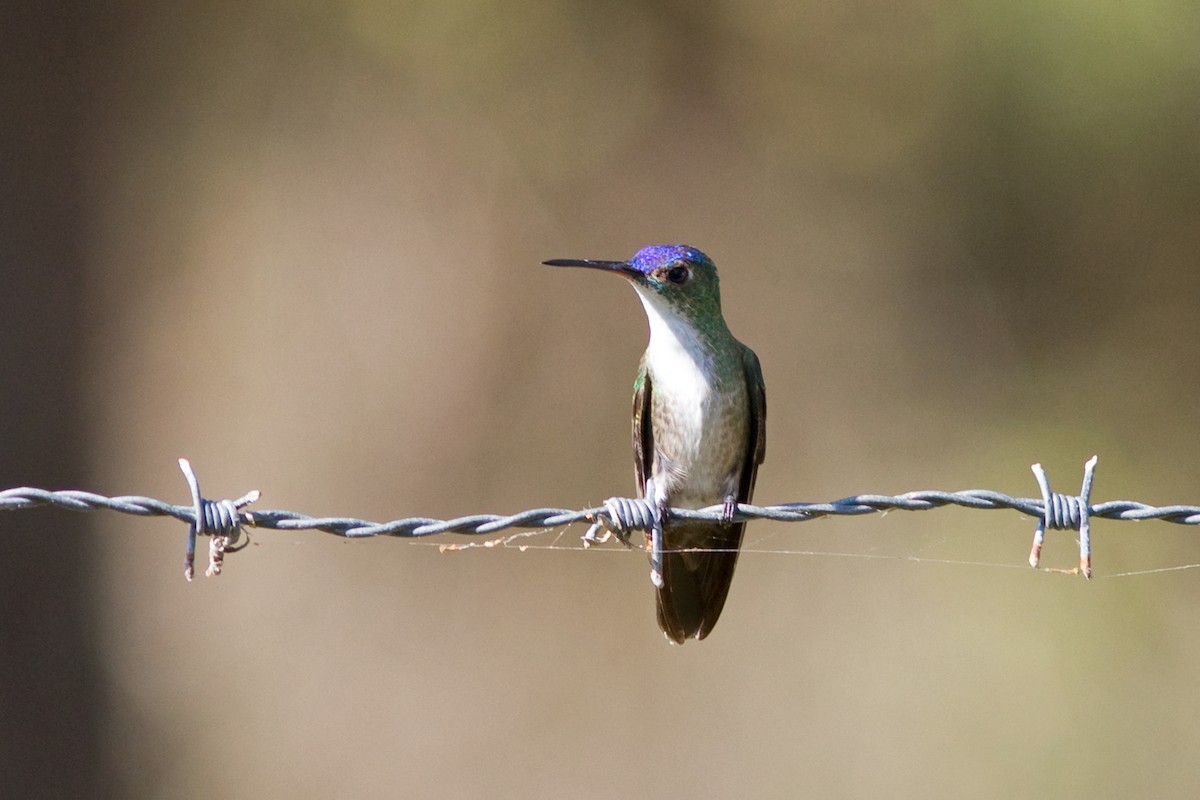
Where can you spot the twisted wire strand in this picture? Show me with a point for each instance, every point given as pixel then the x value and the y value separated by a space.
pixel 225 518
pixel 479 524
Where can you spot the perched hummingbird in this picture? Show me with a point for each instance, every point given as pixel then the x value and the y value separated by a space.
pixel 699 430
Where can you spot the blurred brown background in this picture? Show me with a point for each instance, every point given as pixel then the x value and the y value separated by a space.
pixel 299 243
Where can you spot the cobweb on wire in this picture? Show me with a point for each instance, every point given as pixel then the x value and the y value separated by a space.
pixel 925 546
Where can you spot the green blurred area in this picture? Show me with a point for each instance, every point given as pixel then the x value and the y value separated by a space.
pixel 300 244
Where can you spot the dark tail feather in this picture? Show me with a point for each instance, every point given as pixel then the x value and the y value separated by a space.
pixel 696 581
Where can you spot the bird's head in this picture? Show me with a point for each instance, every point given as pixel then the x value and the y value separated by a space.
pixel 673 278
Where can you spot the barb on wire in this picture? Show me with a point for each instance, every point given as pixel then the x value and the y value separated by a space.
pixel 223 520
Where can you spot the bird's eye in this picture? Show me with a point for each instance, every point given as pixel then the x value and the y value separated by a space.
pixel 679 274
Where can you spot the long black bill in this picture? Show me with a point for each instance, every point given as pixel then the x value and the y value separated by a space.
pixel 611 266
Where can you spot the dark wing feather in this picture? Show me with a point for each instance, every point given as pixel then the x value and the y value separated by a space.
pixel 643 434
pixel 757 440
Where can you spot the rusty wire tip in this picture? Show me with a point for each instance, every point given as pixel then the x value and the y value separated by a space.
pixel 1063 512
pixel 216 555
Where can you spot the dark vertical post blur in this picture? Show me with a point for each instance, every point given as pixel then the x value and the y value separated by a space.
pixel 49 703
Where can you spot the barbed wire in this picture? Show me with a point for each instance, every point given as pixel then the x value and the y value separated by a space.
pixel 224 520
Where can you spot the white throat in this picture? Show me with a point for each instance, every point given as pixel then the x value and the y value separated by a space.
pixel 674 343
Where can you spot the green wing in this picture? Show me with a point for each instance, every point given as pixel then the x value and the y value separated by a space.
pixel 757 440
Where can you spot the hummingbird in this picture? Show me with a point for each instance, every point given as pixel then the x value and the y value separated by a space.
pixel 699 430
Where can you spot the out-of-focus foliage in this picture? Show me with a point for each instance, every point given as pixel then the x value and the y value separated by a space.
pixel 961 238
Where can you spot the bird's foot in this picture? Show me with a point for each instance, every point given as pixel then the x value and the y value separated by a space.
pixel 729 510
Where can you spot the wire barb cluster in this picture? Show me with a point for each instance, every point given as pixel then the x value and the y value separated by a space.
pixel 220 520
pixel 1062 512
pixel 224 520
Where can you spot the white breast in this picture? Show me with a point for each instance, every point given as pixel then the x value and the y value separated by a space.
pixel 702 417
